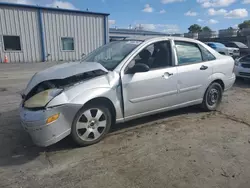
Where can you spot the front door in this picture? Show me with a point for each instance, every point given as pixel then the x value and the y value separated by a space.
pixel 151 91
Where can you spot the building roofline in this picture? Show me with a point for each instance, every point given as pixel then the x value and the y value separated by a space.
pixel 138 32
pixel 51 9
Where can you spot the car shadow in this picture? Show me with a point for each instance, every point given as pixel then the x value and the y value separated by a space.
pixel 16 145
pixel 156 117
pixel 18 148
pixel 68 143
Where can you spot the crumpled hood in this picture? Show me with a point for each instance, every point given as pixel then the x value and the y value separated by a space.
pixel 62 71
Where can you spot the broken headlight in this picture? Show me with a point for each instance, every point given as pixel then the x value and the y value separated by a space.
pixel 42 99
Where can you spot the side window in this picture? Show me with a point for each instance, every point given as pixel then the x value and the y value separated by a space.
pixel 188 53
pixel 207 56
pixel 67 43
pixel 157 55
pixel 233 45
pixel 12 43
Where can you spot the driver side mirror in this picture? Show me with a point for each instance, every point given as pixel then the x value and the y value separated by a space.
pixel 139 67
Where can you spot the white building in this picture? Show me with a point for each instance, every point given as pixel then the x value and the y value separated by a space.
pixel 32 33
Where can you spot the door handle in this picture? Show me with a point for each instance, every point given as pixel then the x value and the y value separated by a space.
pixel 203 67
pixel 167 74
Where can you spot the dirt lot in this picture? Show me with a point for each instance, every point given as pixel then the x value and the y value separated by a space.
pixel 183 148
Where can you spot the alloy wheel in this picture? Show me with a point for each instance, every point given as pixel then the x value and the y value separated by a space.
pixel 91 125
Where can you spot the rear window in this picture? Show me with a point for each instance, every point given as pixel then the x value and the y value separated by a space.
pixel 241 45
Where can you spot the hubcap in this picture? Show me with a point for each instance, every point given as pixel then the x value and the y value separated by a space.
pixel 213 97
pixel 91 124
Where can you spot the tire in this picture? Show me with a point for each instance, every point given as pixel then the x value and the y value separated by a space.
pixel 91 124
pixel 212 97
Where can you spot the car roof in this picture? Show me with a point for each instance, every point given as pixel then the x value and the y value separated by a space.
pixel 146 38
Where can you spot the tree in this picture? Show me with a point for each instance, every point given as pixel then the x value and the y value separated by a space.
pixel 245 24
pixel 230 28
pixel 206 29
pixel 195 28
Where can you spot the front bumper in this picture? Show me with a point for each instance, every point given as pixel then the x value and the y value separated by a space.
pixel 242 72
pixel 42 134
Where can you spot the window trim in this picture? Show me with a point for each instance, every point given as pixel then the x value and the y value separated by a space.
pixel 154 69
pixel 185 64
pixel 199 47
pixel 12 51
pixel 202 53
pixel 62 44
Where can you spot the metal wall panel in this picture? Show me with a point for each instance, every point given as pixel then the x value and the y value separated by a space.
pixel 86 29
pixel 20 22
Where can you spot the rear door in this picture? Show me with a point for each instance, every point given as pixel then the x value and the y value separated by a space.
pixel 194 67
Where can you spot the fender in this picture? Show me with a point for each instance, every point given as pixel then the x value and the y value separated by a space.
pixel 213 77
pixel 113 94
pixel 218 76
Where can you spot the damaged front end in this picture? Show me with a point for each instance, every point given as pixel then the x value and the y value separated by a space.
pixel 44 92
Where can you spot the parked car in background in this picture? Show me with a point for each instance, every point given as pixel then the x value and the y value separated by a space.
pixel 222 49
pixel 242 67
pixel 244 50
pixel 121 81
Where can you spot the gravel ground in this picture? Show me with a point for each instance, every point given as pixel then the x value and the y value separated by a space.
pixel 182 148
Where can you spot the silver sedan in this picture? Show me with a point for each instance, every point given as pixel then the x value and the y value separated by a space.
pixel 121 81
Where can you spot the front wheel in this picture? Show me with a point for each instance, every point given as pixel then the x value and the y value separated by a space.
pixel 212 97
pixel 91 124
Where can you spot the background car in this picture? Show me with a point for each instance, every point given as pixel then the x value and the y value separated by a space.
pixel 242 67
pixel 222 49
pixel 244 50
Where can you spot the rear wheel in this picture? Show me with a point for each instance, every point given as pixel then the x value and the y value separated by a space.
pixel 91 124
pixel 212 97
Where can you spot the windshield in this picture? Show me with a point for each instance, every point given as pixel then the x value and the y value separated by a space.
pixel 241 45
pixel 111 54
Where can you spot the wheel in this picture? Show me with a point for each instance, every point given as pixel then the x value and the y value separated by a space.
pixel 212 97
pixel 91 124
